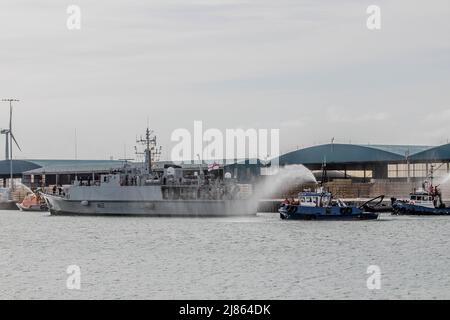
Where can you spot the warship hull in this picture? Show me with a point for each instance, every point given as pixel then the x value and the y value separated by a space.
pixel 158 208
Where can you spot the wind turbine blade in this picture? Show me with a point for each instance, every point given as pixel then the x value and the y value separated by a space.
pixel 10 117
pixel 15 141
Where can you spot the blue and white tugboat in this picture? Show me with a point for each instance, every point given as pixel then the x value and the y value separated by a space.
pixel 426 201
pixel 321 205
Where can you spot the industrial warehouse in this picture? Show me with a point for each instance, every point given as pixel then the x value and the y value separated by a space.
pixel 347 170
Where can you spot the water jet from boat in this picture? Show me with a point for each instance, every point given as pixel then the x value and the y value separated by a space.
pixel 287 177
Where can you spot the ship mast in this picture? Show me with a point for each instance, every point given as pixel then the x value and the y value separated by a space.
pixel 431 174
pixel 150 149
pixel 324 172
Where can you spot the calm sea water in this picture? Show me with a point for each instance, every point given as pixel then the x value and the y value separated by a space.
pixel 258 257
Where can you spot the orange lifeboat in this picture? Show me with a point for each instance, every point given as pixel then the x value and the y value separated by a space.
pixel 31 202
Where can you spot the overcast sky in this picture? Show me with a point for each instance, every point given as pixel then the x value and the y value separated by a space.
pixel 310 68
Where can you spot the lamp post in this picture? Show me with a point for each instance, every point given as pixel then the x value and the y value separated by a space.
pixel 408 177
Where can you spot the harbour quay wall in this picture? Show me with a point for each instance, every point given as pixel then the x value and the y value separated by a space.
pixel 349 189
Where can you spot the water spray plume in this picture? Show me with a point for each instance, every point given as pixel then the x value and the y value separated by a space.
pixel 287 177
pixel 445 180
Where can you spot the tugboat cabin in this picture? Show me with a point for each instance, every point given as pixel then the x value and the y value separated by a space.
pixel 423 199
pixel 318 199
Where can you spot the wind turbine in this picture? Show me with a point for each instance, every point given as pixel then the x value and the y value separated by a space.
pixel 6 133
pixel 9 134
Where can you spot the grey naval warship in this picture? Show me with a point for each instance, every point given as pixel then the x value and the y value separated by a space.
pixel 136 189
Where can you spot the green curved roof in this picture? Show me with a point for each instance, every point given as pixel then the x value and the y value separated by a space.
pixel 401 150
pixel 351 153
pixel 21 166
pixel 433 154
